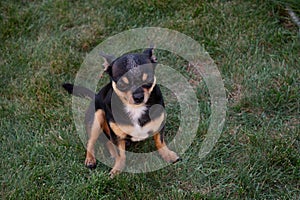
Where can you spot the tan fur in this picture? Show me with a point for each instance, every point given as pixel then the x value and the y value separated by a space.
pixel 125 79
pixel 145 76
pixel 117 130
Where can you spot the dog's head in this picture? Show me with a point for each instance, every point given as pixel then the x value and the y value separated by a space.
pixel 132 76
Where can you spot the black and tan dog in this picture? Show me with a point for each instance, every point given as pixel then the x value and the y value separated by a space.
pixel 129 108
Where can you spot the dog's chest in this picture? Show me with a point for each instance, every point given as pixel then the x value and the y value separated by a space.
pixel 136 131
pixel 135 113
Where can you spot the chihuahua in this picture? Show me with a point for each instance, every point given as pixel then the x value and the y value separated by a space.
pixel 129 108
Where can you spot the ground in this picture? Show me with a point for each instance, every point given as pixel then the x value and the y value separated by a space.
pixel 255 46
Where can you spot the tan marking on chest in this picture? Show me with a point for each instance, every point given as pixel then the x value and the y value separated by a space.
pixel 117 130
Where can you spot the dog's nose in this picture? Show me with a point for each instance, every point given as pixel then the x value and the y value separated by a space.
pixel 138 97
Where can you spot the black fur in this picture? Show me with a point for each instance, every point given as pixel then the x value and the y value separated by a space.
pixel 78 90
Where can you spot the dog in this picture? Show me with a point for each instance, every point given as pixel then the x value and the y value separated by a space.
pixel 129 108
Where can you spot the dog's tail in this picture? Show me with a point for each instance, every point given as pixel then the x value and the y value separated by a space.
pixel 79 90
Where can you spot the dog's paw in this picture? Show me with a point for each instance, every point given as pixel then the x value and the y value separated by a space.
pixel 118 167
pixel 90 162
pixel 114 172
pixel 169 156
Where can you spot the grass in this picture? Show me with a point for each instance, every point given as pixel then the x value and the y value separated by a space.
pixel 256 48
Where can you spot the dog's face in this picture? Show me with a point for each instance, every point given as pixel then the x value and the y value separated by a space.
pixel 133 77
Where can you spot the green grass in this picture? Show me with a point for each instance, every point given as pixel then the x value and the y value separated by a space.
pixel 256 48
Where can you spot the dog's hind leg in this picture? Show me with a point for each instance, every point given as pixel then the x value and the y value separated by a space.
pixel 99 123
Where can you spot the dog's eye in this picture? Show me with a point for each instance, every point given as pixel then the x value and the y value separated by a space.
pixel 147 86
pixel 122 86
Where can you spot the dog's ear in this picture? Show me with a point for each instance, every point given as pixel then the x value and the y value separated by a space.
pixel 108 59
pixel 150 53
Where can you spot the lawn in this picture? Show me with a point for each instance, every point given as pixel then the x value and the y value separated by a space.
pixel 256 47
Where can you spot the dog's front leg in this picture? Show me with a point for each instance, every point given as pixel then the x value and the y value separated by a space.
pixel 94 132
pixel 120 159
pixel 163 150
